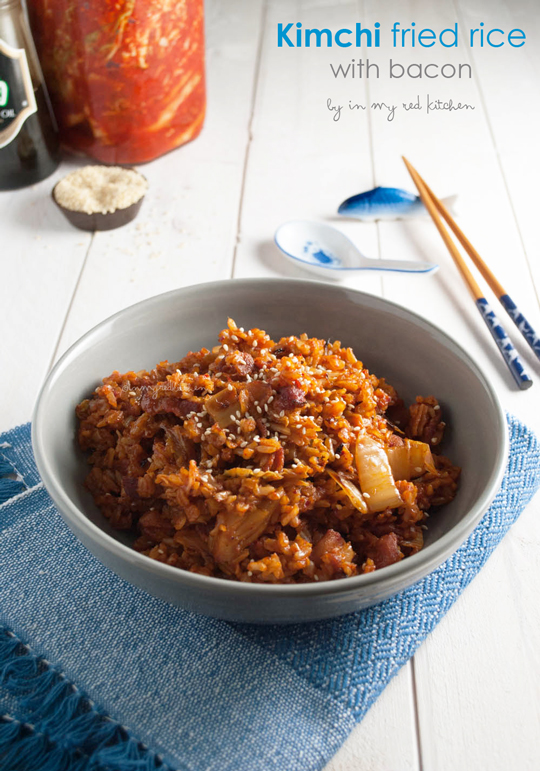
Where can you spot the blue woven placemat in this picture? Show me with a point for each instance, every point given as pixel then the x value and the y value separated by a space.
pixel 97 675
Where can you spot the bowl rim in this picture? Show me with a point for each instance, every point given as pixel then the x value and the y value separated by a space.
pixel 417 564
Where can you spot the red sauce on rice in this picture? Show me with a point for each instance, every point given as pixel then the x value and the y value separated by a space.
pixel 263 461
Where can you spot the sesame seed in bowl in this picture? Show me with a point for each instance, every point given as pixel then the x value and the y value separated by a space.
pixel 100 197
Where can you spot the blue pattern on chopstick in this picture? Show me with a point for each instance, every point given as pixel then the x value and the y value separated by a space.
pixel 521 323
pixel 504 343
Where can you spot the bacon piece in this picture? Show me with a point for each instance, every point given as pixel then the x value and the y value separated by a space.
pixel 289 398
pixel 155 526
pixel 131 487
pixel 235 364
pixel 331 541
pixel 278 460
pixel 398 414
pixel 425 421
pixel 333 556
pixel 258 391
pixel 386 551
pixel 186 406
pixel 179 407
pixel 262 429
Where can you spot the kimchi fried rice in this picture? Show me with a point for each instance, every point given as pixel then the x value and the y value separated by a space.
pixel 263 461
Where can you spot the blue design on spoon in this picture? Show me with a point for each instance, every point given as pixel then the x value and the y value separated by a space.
pixel 317 255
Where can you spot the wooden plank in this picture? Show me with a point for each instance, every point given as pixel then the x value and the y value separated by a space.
pixel 479 691
pixel 476 700
pixel 42 258
pixel 392 715
pixel 302 164
pixel 186 231
pixel 484 208
pixel 509 80
pixel 478 704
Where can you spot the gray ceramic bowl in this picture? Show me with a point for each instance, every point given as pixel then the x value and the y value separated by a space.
pixel 415 356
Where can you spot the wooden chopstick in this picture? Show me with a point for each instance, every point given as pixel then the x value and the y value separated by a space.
pixel 502 340
pixel 504 298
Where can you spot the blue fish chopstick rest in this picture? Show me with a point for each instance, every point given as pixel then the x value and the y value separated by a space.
pixel 385 203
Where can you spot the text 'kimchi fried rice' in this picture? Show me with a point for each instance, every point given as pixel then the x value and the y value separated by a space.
pixel 263 461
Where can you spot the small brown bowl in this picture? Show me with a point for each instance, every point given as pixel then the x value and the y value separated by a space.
pixel 97 220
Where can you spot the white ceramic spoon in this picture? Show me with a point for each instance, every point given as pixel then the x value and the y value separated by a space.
pixel 326 251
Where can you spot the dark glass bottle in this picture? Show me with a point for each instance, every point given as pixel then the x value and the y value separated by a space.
pixel 29 144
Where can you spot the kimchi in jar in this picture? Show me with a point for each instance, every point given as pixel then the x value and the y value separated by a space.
pixel 126 77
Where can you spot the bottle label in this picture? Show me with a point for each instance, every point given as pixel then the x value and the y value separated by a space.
pixel 17 99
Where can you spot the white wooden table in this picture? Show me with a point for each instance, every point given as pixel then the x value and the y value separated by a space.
pixel 270 152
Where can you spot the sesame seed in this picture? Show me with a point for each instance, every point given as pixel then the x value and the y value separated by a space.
pixel 249 573
pixel 234 338
pixel 434 440
pixel 436 407
pixel 259 410
pixel 366 495
pixel 230 387
pixel 418 469
pixel 132 393
pixel 241 329
pixel 225 347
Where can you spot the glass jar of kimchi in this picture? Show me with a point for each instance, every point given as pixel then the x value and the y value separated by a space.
pixel 126 77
